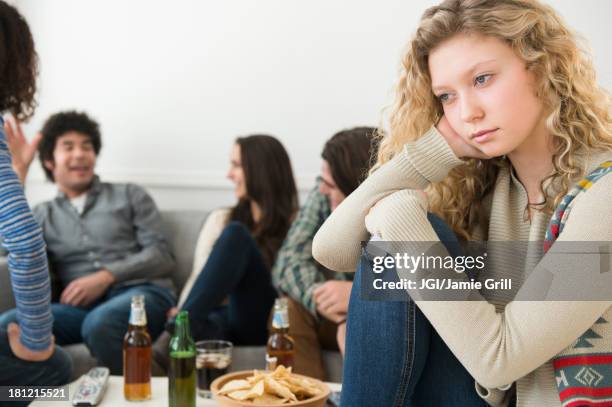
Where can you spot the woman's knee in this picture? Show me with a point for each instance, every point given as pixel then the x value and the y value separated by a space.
pixel 236 229
pixel 235 234
pixel 445 232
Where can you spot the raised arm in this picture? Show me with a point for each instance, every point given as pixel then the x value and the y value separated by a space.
pixel 27 258
pixel 22 151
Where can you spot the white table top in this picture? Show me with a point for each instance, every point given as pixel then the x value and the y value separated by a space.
pixel 159 387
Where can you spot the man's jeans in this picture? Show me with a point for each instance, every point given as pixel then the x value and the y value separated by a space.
pixel 102 326
pixel 55 371
pixel 394 357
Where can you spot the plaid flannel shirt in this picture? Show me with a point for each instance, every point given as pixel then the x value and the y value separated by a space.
pixel 296 273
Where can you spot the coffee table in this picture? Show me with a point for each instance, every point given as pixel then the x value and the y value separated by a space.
pixel 159 386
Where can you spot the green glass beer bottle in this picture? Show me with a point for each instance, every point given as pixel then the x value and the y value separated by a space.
pixel 182 369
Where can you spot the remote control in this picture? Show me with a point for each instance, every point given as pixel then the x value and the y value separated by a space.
pixel 91 388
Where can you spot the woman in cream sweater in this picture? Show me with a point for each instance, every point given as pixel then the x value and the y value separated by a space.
pixel 498 116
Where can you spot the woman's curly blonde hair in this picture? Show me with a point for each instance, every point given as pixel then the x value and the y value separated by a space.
pixel 579 117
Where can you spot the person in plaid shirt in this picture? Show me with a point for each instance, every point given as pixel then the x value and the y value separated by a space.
pixel 318 298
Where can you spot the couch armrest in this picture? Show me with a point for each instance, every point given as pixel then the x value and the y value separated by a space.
pixel 7 301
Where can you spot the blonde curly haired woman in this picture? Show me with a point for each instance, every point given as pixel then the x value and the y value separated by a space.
pixel 498 117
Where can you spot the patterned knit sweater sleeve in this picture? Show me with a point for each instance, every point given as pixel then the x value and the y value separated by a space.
pixel 27 257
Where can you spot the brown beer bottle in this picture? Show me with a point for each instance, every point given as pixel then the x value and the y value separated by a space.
pixel 280 345
pixel 137 354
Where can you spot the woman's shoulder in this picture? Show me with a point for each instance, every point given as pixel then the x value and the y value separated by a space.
pixel 216 221
pixel 595 158
pixel 591 207
pixel 219 214
pixel 210 231
pixel 595 187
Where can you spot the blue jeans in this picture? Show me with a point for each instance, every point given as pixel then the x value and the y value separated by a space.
pixel 103 325
pixel 55 371
pixel 236 269
pixel 394 357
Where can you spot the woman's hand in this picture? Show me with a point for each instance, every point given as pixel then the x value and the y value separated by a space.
pixel 458 144
pixel 22 151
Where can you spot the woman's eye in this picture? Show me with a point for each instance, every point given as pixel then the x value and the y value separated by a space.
pixel 482 79
pixel 443 98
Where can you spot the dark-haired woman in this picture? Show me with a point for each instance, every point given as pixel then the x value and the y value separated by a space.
pixel 28 355
pixel 237 247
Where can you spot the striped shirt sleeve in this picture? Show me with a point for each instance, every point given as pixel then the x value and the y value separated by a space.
pixel 27 257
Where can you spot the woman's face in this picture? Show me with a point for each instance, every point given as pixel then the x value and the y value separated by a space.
pixel 236 173
pixel 487 94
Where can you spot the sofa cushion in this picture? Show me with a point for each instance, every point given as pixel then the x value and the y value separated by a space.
pixel 182 229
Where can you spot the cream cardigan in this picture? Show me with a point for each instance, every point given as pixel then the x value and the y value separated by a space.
pixel 499 342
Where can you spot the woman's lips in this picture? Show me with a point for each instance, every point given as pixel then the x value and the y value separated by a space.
pixel 483 136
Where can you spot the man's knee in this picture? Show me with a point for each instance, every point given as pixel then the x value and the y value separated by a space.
pixel 100 328
pixel 60 368
pixel 300 318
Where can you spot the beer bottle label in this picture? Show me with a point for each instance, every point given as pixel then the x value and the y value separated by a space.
pixel 138 316
pixel 280 319
pixel 271 362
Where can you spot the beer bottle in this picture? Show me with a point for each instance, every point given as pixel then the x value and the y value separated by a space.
pixel 137 354
pixel 280 345
pixel 182 369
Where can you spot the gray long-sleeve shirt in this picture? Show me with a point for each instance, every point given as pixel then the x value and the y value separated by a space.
pixel 118 230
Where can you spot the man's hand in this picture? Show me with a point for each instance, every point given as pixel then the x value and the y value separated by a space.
pixel 85 290
pixel 22 152
pixel 24 353
pixel 172 312
pixel 341 337
pixel 332 298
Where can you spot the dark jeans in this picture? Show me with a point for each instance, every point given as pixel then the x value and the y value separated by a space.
pixel 103 325
pixel 394 357
pixel 236 269
pixel 55 371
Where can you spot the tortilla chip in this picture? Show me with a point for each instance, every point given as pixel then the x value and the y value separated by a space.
pixel 277 387
pixel 234 385
pixel 274 387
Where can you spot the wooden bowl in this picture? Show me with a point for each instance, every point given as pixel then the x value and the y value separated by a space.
pixel 224 401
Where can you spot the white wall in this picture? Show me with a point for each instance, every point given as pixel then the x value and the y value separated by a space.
pixel 174 82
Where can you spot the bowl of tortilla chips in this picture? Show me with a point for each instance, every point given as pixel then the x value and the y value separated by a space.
pixel 269 389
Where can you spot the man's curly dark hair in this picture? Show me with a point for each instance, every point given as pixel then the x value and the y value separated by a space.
pixel 18 64
pixel 61 123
